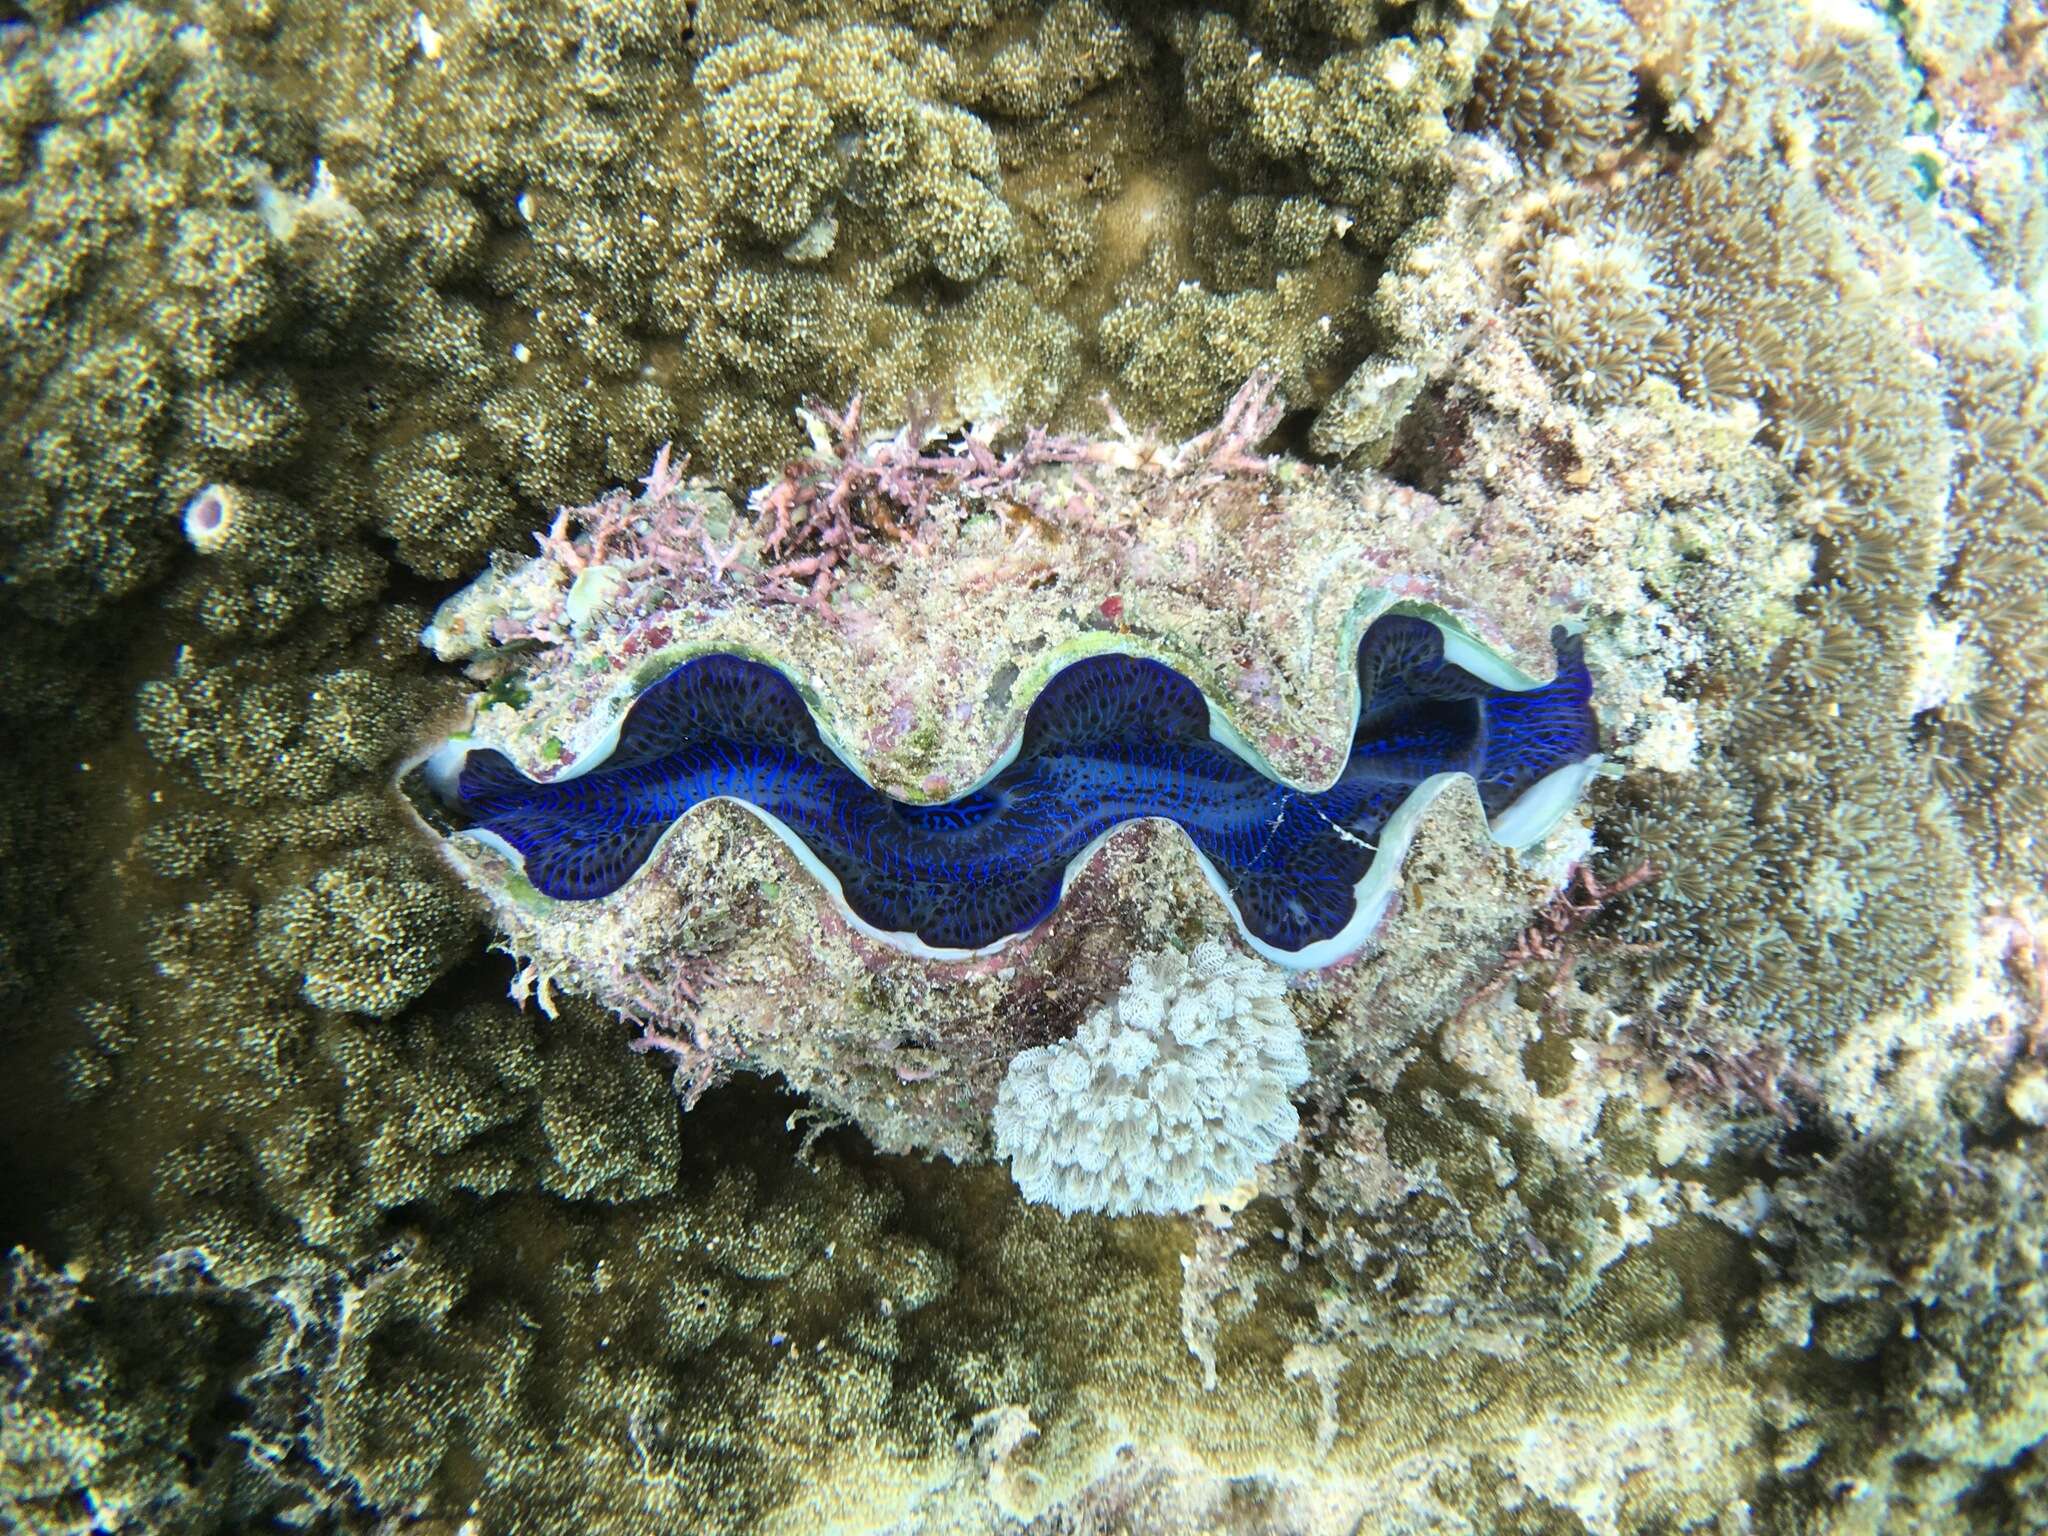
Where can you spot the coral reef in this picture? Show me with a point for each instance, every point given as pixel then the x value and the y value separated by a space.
pixel 1556 83
pixel 1680 1171
pixel 367 935
pixel 793 125
pixel 1170 1097
pixel 126 207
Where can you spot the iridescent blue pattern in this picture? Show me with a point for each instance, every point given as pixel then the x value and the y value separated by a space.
pixel 1111 738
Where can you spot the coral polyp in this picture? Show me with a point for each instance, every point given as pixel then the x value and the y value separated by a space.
pixel 1305 873
pixel 1172 1094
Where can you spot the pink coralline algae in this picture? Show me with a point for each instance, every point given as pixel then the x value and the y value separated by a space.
pixel 871 502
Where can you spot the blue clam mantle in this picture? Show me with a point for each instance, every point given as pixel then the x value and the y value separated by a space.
pixel 1111 739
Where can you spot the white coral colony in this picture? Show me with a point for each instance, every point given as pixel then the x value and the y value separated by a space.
pixel 1170 1095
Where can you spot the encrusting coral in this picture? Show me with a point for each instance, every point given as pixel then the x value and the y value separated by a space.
pixel 1749 286
pixel 1556 84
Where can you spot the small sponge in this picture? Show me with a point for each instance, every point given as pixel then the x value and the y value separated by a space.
pixel 1170 1096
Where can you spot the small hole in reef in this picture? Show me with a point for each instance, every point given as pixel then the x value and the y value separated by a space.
pixel 1290 435
pixel 1809 1140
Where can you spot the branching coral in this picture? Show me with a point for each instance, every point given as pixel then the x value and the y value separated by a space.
pixel 104 1394
pixel 1328 130
pixel 130 278
pixel 250 732
pixel 266 567
pixel 367 935
pixel 1078 47
pixel 1365 124
pixel 1190 343
pixel 793 121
